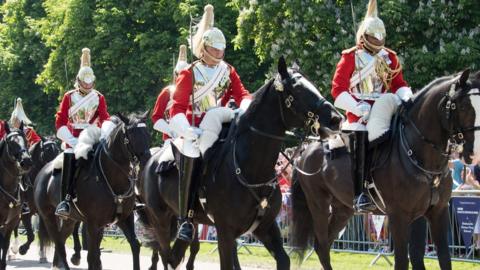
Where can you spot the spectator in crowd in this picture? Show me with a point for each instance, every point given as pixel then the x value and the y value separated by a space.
pixel 457 167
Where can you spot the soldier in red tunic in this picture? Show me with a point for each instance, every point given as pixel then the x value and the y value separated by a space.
pixel 364 75
pixel 80 108
pixel 206 82
pixel 18 116
pixel 160 114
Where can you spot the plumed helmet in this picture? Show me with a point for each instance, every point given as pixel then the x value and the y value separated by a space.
pixel 213 37
pixel 372 25
pixel 85 74
pixel 19 114
pixel 182 59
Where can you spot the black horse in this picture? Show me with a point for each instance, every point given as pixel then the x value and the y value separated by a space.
pixel 409 170
pixel 41 152
pixel 239 183
pixel 15 161
pixel 105 189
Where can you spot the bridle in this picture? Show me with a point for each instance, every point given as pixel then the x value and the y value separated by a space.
pixel 450 122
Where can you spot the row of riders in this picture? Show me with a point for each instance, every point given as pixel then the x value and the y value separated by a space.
pixel 195 164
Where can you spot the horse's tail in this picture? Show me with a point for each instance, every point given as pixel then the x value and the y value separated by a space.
pixel 148 238
pixel 301 229
pixel 43 235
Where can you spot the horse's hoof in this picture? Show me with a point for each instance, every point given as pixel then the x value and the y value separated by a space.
pixel 75 259
pixel 23 249
pixel 43 260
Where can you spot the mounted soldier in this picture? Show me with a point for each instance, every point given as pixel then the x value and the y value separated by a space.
pixel 160 114
pixel 364 75
pixel 80 108
pixel 207 82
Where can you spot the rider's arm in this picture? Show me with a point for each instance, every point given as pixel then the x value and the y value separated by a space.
pixel 240 94
pixel 341 84
pixel 32 136
pixel 398 85
pixel 103 114
pixel 183 92
pixel 161 105
pixel 61 122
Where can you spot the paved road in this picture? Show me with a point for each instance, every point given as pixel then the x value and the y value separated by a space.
pixel 110 261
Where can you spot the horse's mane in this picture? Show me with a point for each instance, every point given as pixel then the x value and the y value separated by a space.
pixel 433 84
pixel 258 96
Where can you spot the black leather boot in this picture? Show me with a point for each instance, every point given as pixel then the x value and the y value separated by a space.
pixel 186 193
pixel 68 184
pixel 362 201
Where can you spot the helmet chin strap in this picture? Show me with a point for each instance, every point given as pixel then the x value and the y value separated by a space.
pixel 207 57
pixel 371 48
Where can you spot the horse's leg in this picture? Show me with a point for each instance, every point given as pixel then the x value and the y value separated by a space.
pixel 226 244
pixel 416 243
pixel 272 240
pixel 154 259
pixel 319 209
pixel 4 243
pixel 194 248
pixel 399 226
pixel 58 238
pixel 236 262
pixel 77 247
pixel 128 228
pixel 14 247
pixel 338 220
pixel 94 239
pixel 439 221
pixel 27 223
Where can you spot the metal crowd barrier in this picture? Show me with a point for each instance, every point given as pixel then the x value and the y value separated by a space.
pixel 359 236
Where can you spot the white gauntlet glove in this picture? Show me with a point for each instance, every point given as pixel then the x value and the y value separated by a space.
pixel 64 134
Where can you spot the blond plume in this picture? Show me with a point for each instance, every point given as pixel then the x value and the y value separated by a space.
pixel 182 54
pixel 205 23
pixel 85 59
pixel 372 10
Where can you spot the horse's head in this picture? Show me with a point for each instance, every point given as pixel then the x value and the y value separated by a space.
pixel 16 148
pixel 45 150
pixel 136 136
pixel 462 112
pixel 302 104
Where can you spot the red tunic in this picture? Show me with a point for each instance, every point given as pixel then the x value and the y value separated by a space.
pixel 62 118
pixel 345 70
pixel 160 110
pixel 183 92
pixel 30 134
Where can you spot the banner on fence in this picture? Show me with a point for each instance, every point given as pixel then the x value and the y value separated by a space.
pixel 467 210
pixel 378 223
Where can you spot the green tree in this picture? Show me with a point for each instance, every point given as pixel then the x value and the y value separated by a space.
pixel 22 54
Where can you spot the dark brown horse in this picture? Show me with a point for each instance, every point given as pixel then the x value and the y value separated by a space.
pixel 41 152
pixel 15 161
pixel 104 192
pixel 240 184
pixel 410 171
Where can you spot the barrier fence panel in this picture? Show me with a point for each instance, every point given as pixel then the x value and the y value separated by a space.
pixel 367 233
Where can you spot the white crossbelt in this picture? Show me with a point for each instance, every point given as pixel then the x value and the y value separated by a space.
pixel 220 72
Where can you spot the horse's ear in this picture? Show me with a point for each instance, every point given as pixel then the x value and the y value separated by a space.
pixel 42 139
pixel 122 117
pixel 464 78
pixel 143 116
pixel 282 67
pixel 21 125
pixel 295 65
pixel 7 127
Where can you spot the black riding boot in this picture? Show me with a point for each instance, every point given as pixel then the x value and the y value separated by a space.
pixel 185 196
pixel 68 184
pixel 362 202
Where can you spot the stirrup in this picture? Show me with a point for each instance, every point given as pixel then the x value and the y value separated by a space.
pixel 186 231
pixel 25 209
pixel 364 204
pixel 63 210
